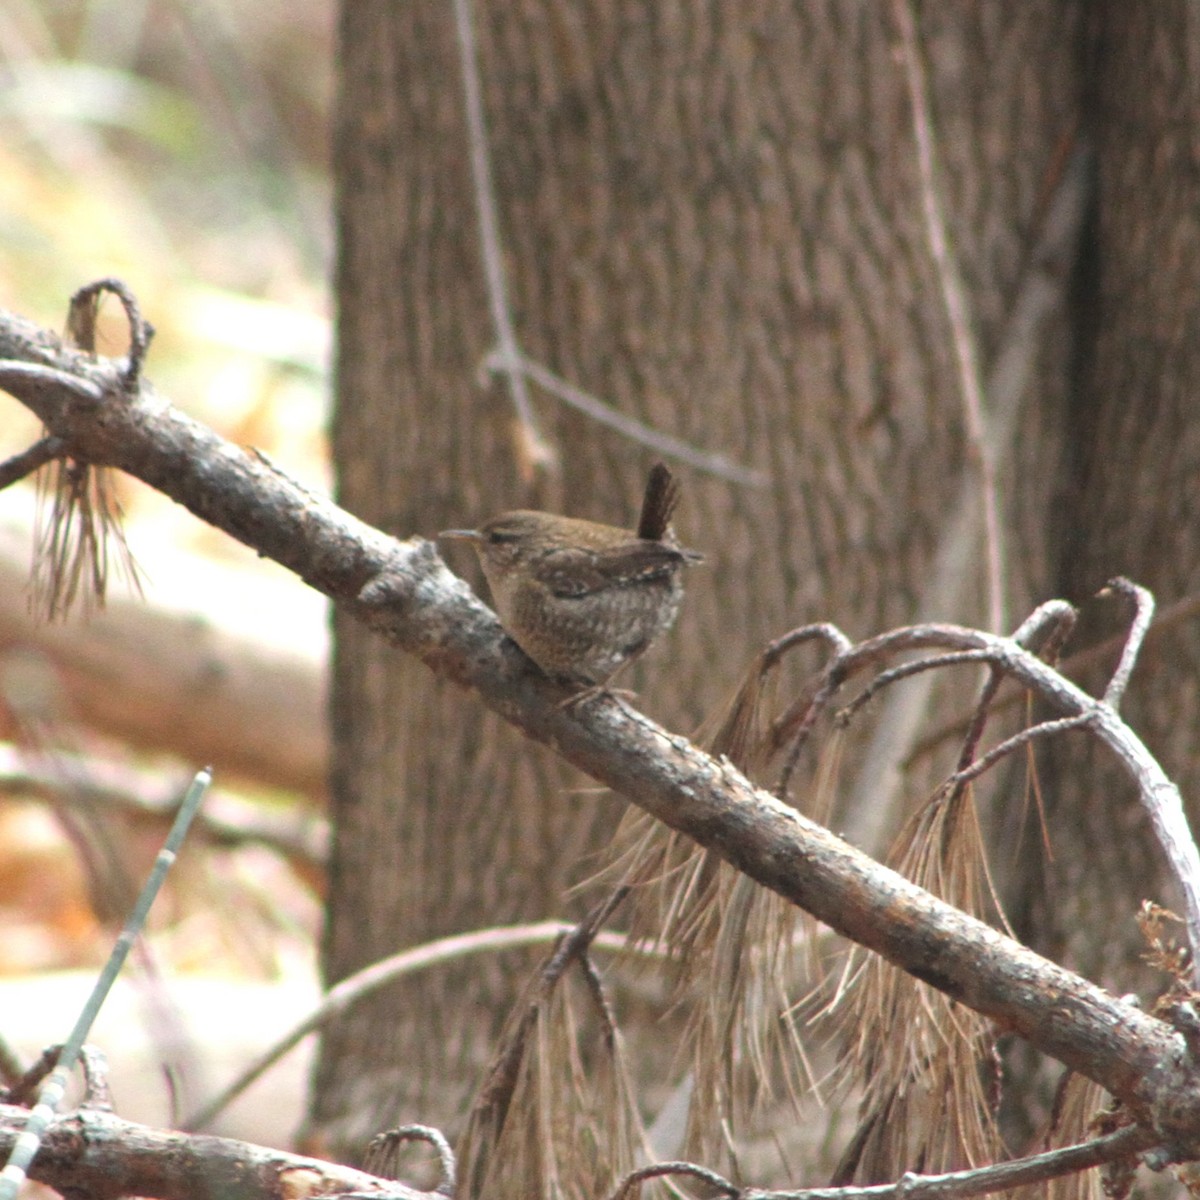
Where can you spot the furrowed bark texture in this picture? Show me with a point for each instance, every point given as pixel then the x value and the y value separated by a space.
pixel 711 218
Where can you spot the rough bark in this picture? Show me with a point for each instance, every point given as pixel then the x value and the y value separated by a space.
pixel 712 218
pixel 1128 495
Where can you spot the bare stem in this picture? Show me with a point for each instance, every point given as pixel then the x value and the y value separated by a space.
pixel 996 753
pixel 42 451
pixel 534 451
pixel 637 431
pixel 954 297
pixel 1143 614
pixel 980 1181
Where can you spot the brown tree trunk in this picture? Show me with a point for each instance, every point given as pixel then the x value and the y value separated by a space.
pixel 712 218
pixel 1129 504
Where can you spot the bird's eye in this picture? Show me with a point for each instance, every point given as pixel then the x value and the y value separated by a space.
pixel 500 537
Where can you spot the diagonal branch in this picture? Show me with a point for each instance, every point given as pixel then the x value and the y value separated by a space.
pixel 403 591
pixel 42 451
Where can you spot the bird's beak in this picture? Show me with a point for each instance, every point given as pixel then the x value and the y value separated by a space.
pixel 461 535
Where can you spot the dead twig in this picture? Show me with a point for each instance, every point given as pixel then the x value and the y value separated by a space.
pixel 1143 615
pixel 17 467
pixel 954 299
pixel 965 775
pixel 719 465
pixel 533 452
pixel 664 1170
pixel 84 311
pixel 382 1156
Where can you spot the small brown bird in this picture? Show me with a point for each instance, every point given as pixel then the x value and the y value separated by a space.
pixel 583 599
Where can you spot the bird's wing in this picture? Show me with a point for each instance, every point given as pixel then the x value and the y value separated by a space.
pixel 578 571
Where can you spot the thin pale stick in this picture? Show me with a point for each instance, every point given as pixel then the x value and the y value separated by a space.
pixel 637 431
pixel 490 242
pixel 954 298
pixel 980 1181
pixel 362 983
pixel 53 1090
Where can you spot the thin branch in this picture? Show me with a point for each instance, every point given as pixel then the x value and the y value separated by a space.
pixel 54 1089
pixel 1077 664
pixel 954 298
pixel 799 720
pixel 381 974
pixel 981 1181
pixel 983 709
pixel 637 431
pixel 42 451
pixel 906 671
pixel 965 775
pixel 823 631
pixel 383 1152
pixel 23 1085
pixel 10 1064
pixel 1143 615
pixel 664 1170
pixel 535 453
pixel 595 989
pixel 15 377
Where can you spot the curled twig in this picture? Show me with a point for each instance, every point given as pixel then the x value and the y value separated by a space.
pixel 1052 619
pixel 661 1170
pixel 383 1154
pixel 81 323
pixel 1143 614
pixel 906 671
pixel 94 1064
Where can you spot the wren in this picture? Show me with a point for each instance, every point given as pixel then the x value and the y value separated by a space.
pixel 583 600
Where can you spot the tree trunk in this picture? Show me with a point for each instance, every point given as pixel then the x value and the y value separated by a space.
pixel 1128 500
pixel 712 217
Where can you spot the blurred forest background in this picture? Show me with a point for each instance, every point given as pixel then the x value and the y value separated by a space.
pixel 183 148
pixel 926 272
